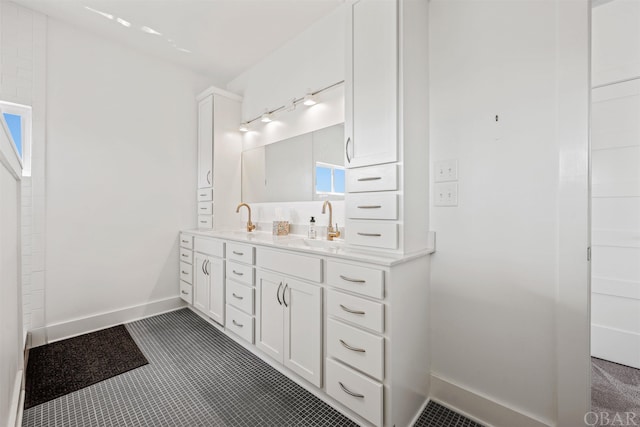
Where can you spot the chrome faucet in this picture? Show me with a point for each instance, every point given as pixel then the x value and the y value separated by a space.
pixel 250 225
pixel 332 233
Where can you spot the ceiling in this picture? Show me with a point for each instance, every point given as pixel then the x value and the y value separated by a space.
pixel 218 38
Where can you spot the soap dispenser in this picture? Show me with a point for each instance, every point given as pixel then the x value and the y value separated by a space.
pixel 312 228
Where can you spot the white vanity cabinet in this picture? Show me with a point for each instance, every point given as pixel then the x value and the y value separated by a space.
pixel 219 147
pixel 289 323
pixel 386 126
pixel 209 272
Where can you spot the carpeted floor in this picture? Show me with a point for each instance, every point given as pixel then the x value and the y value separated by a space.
pixel 614 388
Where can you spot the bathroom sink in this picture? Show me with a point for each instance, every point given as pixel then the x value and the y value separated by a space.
pixel 259 236
pixel 317 244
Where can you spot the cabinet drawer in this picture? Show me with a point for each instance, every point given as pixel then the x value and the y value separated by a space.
pixel 205 221
pixel 186 255
pixel 354 278
pixel 205 194
pixel 240 296
pixel 205 208
pixel 373 178
pixel 357 348
pixel 302 266
pixel 372 233
pixel 240 272
pixel 240 253
pixel 186 272
pixel 186 241
pixel 372 206
pixel 239 323
pixel 207 246
pixel 186 292
pixel 355 391
pixel 359 311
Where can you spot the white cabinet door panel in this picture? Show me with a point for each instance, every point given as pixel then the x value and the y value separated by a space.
pixel 205 142
pixel 215 271
pixel 269 315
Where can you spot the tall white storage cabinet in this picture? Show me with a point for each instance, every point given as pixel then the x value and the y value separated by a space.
pixel 219 154
pixel 386 147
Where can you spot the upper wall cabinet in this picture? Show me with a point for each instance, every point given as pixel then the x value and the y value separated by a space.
pixel 219 148
pixel 371 83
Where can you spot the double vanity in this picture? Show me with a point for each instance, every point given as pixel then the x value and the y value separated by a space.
pixel 344 323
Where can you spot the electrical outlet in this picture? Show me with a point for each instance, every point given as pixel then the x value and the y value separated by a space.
pixel 445 194
pixel 446 170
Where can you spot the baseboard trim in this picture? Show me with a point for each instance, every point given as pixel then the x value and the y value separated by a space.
pixel 420 411
pixel 72 328
pixel 479 408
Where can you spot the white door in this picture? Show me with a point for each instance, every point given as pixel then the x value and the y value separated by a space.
pixel 205 142
pixel 201 283
pixel 371 126
pixel 615 284
pixel 303 330
pixel 269 315
pixel 215 271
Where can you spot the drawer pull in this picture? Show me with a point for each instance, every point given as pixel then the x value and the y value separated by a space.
pixel 348 347
pixel 184 292
pixel 352 311
pixel 203 209
pixel 185 255
pixel 203 222
pixel 185 241
pixel 239 325
pixel 349 279
pixel 370 234
pixel 369 207
pixel 184 272
pixel 238 253
pixel 236 296
pixel 349 392
pixel 370 178
pixel 238 273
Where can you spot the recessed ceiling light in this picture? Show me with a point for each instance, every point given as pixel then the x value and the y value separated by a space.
pixel 150 30
pixel 123 22
pixel 99 12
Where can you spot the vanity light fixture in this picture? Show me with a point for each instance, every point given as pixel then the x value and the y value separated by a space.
pixel 310 99
pixel 150 30
pixel 123 22
pixel 266 117
pixel 244 127
pixel 99 12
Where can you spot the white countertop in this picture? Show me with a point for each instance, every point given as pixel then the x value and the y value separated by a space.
pixel 298 243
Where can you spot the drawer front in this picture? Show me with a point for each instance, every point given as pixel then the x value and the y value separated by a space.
pixel 239 323
pixel 240 296
pixel 186 255
pixel 354 278
pixel 205 221
pixel 205 194
pixel 205 208
pixel 240 272
pixel 186 272
pixel 373 234
pixel 302 266
pixel 372 178
pixel 357 348
pixel 355 391
pixel 240 253
pixel 372 206
pixel 359 311
pixel 186 241
pixel 207 246
pixel 186 292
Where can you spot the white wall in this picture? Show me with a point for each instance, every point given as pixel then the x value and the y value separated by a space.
pixel 499 271
pixel 615 144
pixel 11 344
pixel 313 60
pixel 121 176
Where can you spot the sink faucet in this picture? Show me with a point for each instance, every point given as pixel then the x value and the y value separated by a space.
pixel 250 225
pixel 332 233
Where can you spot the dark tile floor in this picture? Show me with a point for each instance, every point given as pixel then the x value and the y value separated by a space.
pixel 197 376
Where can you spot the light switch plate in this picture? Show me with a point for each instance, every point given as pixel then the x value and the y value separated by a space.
pixel 446 171
pixel 445 194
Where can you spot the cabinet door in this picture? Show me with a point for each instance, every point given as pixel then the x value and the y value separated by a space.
pixel 215 271
pixel 205 142
pixel 372 91
pixel 201 283
pixel 303 330
pixel 269 315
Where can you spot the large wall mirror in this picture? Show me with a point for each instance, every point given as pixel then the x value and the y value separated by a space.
pixel 303 168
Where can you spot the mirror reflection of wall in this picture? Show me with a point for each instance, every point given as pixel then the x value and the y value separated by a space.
pixel 303 168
